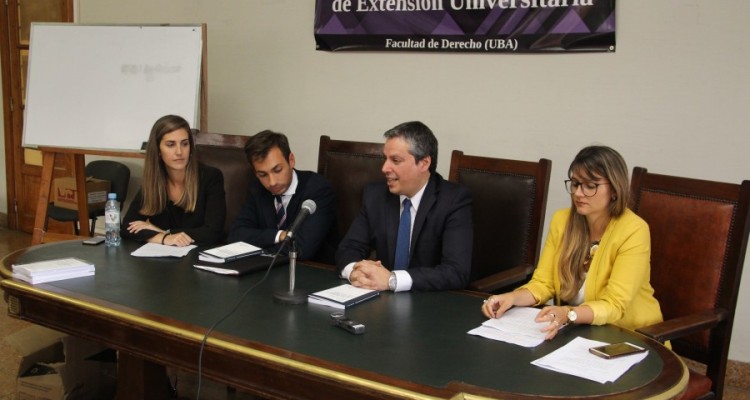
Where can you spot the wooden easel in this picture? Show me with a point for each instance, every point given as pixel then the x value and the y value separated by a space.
pixel 45 186
pixel 79 166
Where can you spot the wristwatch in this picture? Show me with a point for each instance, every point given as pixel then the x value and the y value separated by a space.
pixel 572 315
pixel 392 282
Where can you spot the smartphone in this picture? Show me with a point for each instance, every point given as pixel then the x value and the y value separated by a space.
pixel 616 350
pixel 94 240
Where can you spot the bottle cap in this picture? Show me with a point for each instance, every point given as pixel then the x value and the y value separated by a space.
pixel 112 196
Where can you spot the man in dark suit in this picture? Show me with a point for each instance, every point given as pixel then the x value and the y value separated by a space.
pixel 433 226
pixel 275 200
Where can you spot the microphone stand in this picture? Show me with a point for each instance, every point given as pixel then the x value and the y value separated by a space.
pixel 293 296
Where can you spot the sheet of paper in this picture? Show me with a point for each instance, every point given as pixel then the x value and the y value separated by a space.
pixel 324 302
pixel 53 270
pixel 52 277
pixel 42 267
pixel 516 326
pixel 217 270
pixel 161 250
pixel 232 250
pixel 574 359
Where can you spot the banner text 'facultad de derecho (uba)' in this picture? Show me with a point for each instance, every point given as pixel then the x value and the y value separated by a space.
pixel 466 25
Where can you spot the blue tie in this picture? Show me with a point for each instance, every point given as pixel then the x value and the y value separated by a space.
pixel 402 240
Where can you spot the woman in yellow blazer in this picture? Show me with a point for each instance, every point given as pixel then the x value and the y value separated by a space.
pixel 595 264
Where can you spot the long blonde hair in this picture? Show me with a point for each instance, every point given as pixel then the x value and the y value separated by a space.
pixel 590 161
pixel 154 186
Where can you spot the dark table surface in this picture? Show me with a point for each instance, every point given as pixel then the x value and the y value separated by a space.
pixel 419 337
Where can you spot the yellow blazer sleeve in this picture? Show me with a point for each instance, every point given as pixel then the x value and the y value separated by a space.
pixel 545 283
pixel 618 284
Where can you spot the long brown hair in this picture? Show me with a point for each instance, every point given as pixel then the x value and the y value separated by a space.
pixel 154 186
pixel 590 161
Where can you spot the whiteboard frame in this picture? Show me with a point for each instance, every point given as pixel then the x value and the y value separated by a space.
pixel 101 87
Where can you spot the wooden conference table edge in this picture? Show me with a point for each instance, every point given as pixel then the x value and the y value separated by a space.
pixel 244 364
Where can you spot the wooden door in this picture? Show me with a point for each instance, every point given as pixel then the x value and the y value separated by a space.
pixel 23 166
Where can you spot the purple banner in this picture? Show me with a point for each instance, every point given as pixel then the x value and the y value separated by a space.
pixel 498 26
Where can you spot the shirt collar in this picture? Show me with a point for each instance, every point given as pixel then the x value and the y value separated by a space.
pixel 416 199
pixel 292 189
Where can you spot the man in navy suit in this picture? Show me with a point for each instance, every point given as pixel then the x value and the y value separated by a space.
pixel 439 235
pixel 275 200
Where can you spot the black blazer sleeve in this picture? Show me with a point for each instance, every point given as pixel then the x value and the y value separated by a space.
pixel 256 221
pixel 361 237
pixel 133 214
pixel 319 227
pixel 206 224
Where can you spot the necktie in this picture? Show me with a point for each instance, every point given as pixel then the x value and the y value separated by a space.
pixel 280 212
pixel 402 240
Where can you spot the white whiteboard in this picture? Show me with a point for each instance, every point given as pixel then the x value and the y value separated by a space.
pixel 103 87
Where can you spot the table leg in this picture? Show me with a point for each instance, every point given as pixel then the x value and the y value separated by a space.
pixel 141 379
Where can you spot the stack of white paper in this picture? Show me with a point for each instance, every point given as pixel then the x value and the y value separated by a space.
pixel 516 326
pixel 229 252
pixel 161 250
pixel 575 359
pixel 52 270
pixel 342 296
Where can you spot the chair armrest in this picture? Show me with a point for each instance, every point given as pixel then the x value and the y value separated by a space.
pixel 682 326
pixel 502 279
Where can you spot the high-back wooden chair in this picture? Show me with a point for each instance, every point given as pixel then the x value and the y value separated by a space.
pixel 509 198
pixel 349 166
pixel 227 153
pixel 699 231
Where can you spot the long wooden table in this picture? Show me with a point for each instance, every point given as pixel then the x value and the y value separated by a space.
pixel 156 312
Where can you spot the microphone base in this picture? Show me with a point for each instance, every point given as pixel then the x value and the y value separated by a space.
pixel 295 296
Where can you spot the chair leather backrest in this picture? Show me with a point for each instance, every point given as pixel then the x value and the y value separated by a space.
pixel 349 166
pixel 117 173
pixel 699 235
pixel 227 153
pixel 509 199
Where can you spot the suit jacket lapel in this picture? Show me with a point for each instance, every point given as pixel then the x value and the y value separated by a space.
pixel 295 203
pixel 428 201
pixel 392 216
pixel 268 207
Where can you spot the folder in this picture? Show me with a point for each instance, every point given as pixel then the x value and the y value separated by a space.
pixel 245 265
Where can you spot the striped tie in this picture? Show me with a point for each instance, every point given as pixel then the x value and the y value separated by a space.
pixel 280 212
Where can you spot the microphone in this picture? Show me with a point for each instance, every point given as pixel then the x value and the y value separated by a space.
pixel 295 296
pixel 308 208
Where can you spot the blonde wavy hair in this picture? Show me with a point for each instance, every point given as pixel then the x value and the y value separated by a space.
pixel 591 162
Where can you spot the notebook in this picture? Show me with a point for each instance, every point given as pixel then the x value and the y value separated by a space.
pixel 245 265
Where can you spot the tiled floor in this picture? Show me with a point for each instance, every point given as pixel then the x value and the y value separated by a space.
pixel 186 383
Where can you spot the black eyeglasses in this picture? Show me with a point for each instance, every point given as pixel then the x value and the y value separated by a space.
pixel 588 189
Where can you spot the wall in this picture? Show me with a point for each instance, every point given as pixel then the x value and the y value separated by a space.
pixel 673 98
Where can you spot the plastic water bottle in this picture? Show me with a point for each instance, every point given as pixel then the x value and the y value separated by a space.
pixel 112 221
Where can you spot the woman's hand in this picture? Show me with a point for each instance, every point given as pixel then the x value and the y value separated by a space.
pixel 181 239
pixel 137 226
pixel 495 306
pixel 557 318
